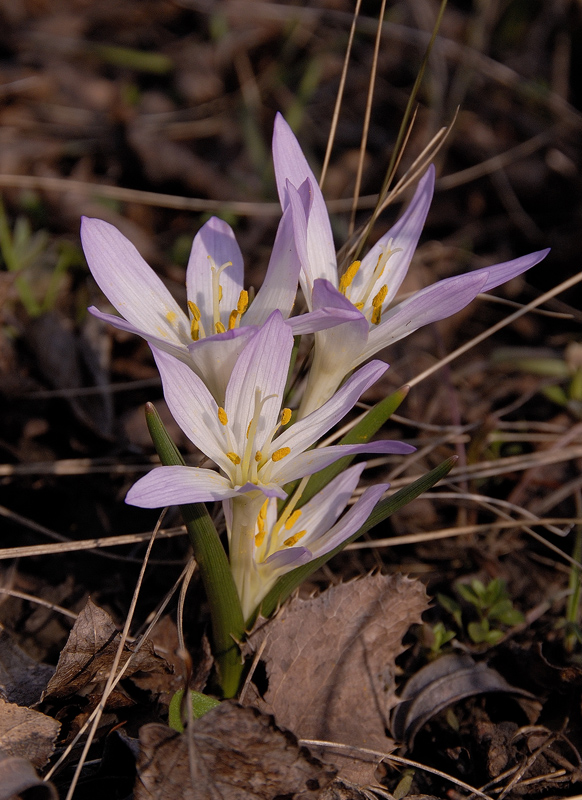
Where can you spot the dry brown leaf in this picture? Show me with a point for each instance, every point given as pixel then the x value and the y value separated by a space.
pixel 17 776
pixel 238 754
pixel 330 662
pixel 88 655
pixel 22 679
pixel 26 733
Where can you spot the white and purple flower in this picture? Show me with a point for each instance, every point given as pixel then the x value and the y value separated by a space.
pixel 371 285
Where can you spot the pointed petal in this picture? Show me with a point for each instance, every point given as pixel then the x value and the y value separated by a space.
pixel 305 432
pixel 350 522
pixel 131 286
pixel 291 165
pixel 268 489
pixel 172 486
pixel 217 240
pixel 279 288
pixel 193 408
pixel 405 234
pixel 214 357
pixel 322 319
pixel 499 273
pixel 262 367
pixel 172 346
pixel 287 559
pixel 313 460
pixel 322 511
pixel 436 302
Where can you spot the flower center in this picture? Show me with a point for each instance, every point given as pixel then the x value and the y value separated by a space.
pixel 196 327
pixel 360 296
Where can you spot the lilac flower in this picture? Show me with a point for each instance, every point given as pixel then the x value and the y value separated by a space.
pixel 252 442
pixel 248 437
pixel 295 537
pixel 220 319
pixel 369 286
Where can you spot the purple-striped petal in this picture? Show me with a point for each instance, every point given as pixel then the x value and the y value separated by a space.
pixel 171 486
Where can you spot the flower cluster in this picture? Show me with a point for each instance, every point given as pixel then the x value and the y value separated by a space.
pixel 225 363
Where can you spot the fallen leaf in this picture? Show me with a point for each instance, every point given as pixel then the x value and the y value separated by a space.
pixel 17 775
pixel 237 753
pixel 330 663
pixel 22 679
pixel 88 655
pixel 26 733
pixel 440 684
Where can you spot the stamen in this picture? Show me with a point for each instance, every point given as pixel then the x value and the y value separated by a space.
pixel 219 293
pixel 194 330
pixel 380 297
pixel 359 306
pixel 260 538
pixel 258 456
pixel 294 539
pixel 348 276
pixel 217 289
pixel 196 327
pixel 376 316
pixel 219 327
pixel 234 458
pixel 232 320
pixel 281 453
pixel 243 302
pixel 223 419
pixel 293 519
pixel 261 524
pixel 286 416
pixel 194 310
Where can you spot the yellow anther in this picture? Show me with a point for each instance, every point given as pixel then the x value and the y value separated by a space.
pixel 219 293
pixel 194 330
pixel 258 456
pixel 222 418
pixel 263 511
pixel 348 276
pixel 286 416
pixel 376 315
pixel 380 297
pixel 281 453
pixel 359 306
pixel 232 320
pixel 219 327
pixel 233 457
pixel 171 316
pixel 243 302
pixel 259 538
pixel 249 428
pixel 194 310
pixel 294 539
pixel 293 519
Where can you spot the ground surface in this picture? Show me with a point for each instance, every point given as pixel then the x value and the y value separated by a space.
pixel 178 99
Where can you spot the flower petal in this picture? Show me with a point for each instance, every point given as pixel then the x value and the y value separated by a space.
pixel 303 433
pixel 131 286
pixel 313 460
pixel 435 302
pixel 261 369
pixel 350 522
pixel 405 234
pixel 213 358
pixel 171 486
pixel 193 407
pixel 291 165
pixel 216 240
pixel 499 273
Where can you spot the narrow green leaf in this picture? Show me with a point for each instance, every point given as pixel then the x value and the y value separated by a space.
pixel 360 433
pixel 225 609
pixel 289 582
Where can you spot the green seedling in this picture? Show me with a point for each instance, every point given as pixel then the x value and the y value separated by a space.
pixel 22 252
pixel 493 606
pixel 201 704
pixel 435 638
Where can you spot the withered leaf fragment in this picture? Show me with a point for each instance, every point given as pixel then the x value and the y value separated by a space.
pixel 26 733
pixel 236 753
pixel 22 679
pixel 88 655
pixel 330 662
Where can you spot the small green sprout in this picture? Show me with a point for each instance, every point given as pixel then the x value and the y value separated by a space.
pixel 493 606
pixel 201 704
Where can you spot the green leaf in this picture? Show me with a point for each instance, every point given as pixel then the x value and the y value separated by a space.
pixel 289 582
pixel 360 434
pixel 201 704
pixel 452 607
pixel 225 609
